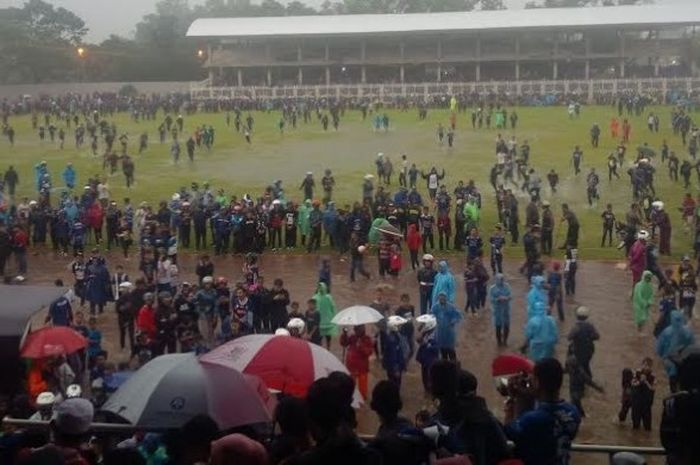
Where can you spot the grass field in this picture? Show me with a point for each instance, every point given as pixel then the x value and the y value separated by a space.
pixel 350 153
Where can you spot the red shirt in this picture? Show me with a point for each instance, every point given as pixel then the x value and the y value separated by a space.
pixel 20 239
pixel 359 350
pixel 413 239
pixel 146 321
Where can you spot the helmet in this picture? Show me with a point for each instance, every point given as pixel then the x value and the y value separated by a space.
pixel 582 312
pixel 281 332
pixel 426 322
pixel 276 202
pixel 428 258
pixel 658 205
pixel 296 326
pixel 207 280
pixel 369 176
pixel 148 296
pixel 643 235
pixel 362 249
pixel 32 203
pixel 74 390
pixel 126 285
pixel 176 196
pixel 395 321
pixel 45 399
pixel 545 203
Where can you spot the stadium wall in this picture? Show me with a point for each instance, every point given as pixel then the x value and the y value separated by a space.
pixel 17 90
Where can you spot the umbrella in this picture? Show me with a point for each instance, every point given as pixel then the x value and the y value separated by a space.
pixel 357 315
pixel 171 389
pixel 511 364
pixel 50 341
pixel 390 230
pixel 286 364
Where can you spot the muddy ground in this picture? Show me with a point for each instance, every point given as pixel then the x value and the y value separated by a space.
pixel 603 287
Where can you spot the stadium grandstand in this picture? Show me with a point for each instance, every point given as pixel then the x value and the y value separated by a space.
pixel 476 46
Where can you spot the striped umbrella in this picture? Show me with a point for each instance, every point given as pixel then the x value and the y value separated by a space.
pixel 283 363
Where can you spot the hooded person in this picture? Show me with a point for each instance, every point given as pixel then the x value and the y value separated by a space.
pixel 500 296
pixel 541 334
pixel 304 222
pixel 447 317
pixel 642 299
pixel 444 283
pixel 330 221
pixel 672 340
pixel 637 256
pixel 536 295
pixel 69 176
pixel 326 309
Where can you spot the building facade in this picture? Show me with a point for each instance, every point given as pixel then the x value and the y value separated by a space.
pixel 484 46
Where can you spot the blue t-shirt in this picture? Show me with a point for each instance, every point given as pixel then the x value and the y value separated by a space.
pixel 543 436
pixel 60 312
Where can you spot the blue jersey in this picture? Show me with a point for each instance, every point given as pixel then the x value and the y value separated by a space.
pixel 543 436
pixel 474 246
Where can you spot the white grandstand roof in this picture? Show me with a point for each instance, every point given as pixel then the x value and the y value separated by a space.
pixel 540 18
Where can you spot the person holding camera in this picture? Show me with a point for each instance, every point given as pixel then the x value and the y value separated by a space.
pixel 543 435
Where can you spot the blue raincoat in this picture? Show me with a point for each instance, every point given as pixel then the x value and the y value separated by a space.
pixel 541 333
pixel 330 220
pixel 676 337
pixel 536 295
pixel 500 308
pixel 69 176
pixel 444 283
pixel 447 317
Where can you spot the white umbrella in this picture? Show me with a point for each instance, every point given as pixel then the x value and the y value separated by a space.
pixel 357 315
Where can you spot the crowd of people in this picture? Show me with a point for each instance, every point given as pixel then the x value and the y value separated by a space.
pixel 158 312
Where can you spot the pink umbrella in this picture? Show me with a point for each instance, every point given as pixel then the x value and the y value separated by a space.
pixel 284 363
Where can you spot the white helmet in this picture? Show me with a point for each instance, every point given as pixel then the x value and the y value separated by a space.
pixel 643 235
pixel 207 280
pixel 32 203
pixel 428 258
pixel 276 202
pixel 45 399
pixel 176 196
pixel 658 205
pixel 281 332
pixel 369 176
pixel 296 324
pixel 126 285
pixel 395 321
pixel 73 390
pixel 362 249
pixel 426 323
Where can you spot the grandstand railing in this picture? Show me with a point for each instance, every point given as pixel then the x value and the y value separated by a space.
pixel 610 450
pixel 585 89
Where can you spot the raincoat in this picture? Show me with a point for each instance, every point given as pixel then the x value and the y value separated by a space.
pixel 69 177
pixel 326 309
pixel 672 340
pixel 330 220
pixel 447 317
pixel 500 308
pixel 444 283
pixel 98 284
pixel 541 333
pixel 536 295
pixel 642 299
pixel 471 216
pixel 637 260
pixel 304 214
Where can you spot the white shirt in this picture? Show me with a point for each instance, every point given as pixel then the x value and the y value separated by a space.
pixel 433 181
pixel 103 191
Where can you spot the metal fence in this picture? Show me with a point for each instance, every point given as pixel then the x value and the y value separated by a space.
pixel 586 89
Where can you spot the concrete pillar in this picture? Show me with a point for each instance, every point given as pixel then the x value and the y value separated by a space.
pixel 439 60
pixel 363 51
pixel 269 77
pixel 656 66
pixel 210 76
pixel 239 76
pixel 327 55
pixel 588 69
pixel 517 70
pixel 439 73
pixel 401 74
pixel 622 54
pixel 477 77
pixel 363 74
pixel 328 76
pixel 555 66
pixel 555 70
pixel 299 54
pixel 300 76
pixel 267 51
pixel 402 50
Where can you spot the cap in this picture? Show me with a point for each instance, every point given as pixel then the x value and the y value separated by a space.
pixel 74 416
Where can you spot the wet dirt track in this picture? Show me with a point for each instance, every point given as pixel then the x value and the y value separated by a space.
pixel 601 286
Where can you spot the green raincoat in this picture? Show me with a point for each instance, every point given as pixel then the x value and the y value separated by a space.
pixel 304 214
pixel 471 216
pixel 326 308
pixel 642 298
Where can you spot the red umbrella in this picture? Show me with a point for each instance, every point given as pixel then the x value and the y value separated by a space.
pixel 284 363
pixel 50 341
pixel 511 364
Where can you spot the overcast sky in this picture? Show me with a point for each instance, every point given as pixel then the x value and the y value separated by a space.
pixel 105 17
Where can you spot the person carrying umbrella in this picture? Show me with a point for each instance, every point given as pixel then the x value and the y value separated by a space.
pixel 326 308
pixel 359 348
